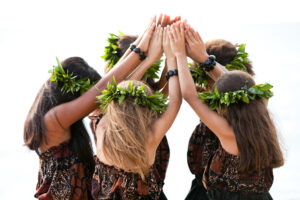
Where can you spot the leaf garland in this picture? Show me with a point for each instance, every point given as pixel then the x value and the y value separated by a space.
pixel 112 56
pixel 111 51
pixel 241 58
pixel 67 81
pixel 216 99
pixel 153 71
pixel 199 76
pixel 156 102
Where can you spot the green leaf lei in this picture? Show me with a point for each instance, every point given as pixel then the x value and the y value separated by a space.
pixel 111 51
pixel 241 58
pixel 216 99
pixel 156 102
pixel 111 55
pixel 153 71
pixel 67 81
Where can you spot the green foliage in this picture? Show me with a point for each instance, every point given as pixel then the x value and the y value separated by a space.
pixel 153 71
pixel 111 53
pixel 156 102
pixel 67 81
pixel 216 99
pixel 112 57
pixel 199 76
pixel 239 60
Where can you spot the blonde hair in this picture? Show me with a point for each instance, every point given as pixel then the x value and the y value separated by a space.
pixel 125 133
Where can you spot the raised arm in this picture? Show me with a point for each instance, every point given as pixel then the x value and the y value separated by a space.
pixel 154 53
pixel 64 115
pixel 212 120
pixel 196 50
pixel 164 122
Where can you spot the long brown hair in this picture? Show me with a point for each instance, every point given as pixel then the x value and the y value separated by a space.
pixel 125 133
pixel 254 130
pixel 48 97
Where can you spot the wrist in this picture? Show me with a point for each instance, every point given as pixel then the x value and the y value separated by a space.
pixel 202 58
pixel 180 55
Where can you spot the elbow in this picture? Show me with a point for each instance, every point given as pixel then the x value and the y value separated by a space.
pixel 186 95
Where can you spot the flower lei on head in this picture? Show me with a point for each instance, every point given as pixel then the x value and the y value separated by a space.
pixel 111 51
pixel 112 56
pixel 216 99
pixel 67 81
pixel 156 102
pixel 241 58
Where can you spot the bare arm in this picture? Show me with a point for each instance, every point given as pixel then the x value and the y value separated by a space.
pixel 216 123
pixel 164 122
pixel 197 51
pixel 63 116
pixel 154 53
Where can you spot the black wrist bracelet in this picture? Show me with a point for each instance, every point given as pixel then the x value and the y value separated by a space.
pixel 209 64
pixel 132 46
pixel 141 53
pixel 171 73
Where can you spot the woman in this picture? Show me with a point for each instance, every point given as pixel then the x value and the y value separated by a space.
pixel 130 132
pixel 54 129
pixel 240 165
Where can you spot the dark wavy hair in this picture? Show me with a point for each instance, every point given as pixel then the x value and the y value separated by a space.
pixel 225 53
pixel 254 130
pixel 50 96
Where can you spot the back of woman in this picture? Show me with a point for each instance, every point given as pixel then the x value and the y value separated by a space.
pixel 66 160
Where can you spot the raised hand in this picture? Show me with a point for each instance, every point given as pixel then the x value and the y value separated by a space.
pixel 177 39
pixel 143 41
pixel 166 43
pixel 195 46
pixel 165 20
pixel 155 48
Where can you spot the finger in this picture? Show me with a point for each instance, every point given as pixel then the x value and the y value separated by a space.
pixel 190 35
pixel 187 37
pixel 198 36
pixel 182 30
pixel 176 31
pixel 170 34
pixel 194 34
pixel 160 19
pixel 160 33
pixel 164 21
pixel 168 20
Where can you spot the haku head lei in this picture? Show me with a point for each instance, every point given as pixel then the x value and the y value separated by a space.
pixel 112 56
pixel 156 102
pixel 111 51
pixel 67 81
pixel 244 95
pixel 238 63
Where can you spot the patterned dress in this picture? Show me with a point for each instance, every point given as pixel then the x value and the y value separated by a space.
pixel 62 175
pixel 218 169
pixel 157 171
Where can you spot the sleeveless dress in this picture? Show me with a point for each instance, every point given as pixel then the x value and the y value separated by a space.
pixel 158 170
pixel 62 175
pixel 218 169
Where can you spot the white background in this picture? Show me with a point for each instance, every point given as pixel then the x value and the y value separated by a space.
pixel 33 33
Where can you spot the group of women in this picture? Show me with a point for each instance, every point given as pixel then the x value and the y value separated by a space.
pixel 232 151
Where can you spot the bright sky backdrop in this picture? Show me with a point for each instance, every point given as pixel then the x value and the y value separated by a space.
pixel 33 33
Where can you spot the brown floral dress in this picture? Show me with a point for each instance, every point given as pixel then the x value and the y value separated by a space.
pixel 218 169
pixel 62 175
pixel 112 183
pixel 157 171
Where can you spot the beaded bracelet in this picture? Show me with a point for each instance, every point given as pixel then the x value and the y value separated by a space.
pixel 138 51
pixel 171 73
pixel 209 64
